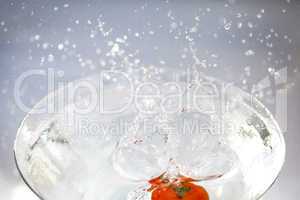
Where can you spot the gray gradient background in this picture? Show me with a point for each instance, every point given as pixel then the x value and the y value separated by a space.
pixel 25 19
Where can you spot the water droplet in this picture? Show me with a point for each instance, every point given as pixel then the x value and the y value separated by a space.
pixel 214 55
pixel 197 18
pixel 239 15
pixel 249 52
pixel 162 62
pixel 137 61
pixel 194 29
pixel 271 70
pixel 250 25
pixel 227 26
pixel 37 37
pixel 45 45
pixel 240 25
pixel 115 49
pixel 151 32
pixel 60 46
pixel 259 16
pixel 50 58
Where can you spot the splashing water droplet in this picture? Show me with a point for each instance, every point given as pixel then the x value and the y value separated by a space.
pixel 60 46
pixel 227 26
pixel 249 52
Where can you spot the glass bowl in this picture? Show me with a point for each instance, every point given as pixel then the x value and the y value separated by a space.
pixel 107 136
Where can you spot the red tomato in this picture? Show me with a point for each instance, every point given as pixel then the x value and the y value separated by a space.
pixel 177 189
pixel 166 193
